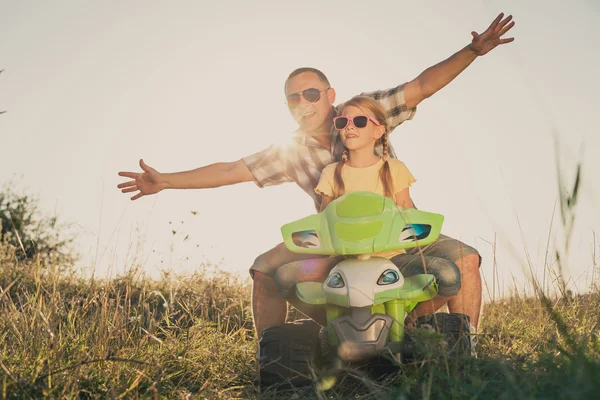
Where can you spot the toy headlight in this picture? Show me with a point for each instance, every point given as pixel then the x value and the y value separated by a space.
pixel 335 281
pixel 388 277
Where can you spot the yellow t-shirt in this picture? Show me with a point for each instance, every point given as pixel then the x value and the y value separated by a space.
pixel 367 180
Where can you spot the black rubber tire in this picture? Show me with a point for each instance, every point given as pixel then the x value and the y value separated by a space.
pixel 287 353
pixel 454 327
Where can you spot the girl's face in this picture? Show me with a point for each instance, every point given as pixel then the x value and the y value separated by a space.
pixel 359 138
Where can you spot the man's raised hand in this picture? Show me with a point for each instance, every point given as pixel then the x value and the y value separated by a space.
pixel 147 182
pixel 492 37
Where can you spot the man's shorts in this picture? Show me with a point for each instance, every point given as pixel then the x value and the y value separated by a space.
pixel 447 248
pixel 289 268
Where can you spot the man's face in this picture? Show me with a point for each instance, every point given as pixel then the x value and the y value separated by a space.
pixel 310 116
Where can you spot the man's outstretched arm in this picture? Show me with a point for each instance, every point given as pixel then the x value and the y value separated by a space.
pixel 150 181
pixel 436 77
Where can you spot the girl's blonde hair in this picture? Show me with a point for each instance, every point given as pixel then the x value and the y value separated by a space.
pixel 376 110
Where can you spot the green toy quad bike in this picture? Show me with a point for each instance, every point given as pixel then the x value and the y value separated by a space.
pixel 366 299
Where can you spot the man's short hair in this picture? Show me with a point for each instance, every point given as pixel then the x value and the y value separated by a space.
pixel 302 70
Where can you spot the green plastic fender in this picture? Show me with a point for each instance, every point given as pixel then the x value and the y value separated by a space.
pixel 361 223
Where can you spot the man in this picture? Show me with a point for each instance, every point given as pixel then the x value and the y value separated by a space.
pixel 316 144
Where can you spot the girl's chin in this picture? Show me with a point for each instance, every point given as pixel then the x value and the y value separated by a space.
pixel 351 148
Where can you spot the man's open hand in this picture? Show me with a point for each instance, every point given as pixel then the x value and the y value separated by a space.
pixel 147 182
pixel 492 37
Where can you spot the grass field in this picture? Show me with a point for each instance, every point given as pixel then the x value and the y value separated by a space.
pixel 62 336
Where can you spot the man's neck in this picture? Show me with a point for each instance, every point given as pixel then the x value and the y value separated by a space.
pixel 323 138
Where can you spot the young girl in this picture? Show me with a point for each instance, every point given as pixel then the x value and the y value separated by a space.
pixel 363 130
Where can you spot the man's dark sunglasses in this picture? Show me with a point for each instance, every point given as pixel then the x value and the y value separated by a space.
pixel 311 95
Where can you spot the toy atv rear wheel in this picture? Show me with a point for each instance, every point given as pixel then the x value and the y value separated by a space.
pixel 454 327
pixel 287 353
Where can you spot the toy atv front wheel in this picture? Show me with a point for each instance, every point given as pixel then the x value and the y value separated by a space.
pixel 287 353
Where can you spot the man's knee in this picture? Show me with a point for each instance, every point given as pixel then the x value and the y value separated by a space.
pixel 260 277
pixel 285 279
pixel 266 263
pixel 448 276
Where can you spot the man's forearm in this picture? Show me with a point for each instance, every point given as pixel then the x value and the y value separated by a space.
pixel 210 176
pixel 436 77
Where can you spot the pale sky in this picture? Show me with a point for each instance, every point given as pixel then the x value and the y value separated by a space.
pixel 92 87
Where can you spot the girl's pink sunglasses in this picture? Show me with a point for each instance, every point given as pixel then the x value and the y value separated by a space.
pixel 359 121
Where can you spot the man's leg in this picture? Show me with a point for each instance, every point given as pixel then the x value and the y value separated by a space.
pixel 468 300
pixel 430 307
pixel 268 308
pixel 468 260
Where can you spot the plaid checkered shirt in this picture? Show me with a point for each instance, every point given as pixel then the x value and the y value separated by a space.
pixel 303 160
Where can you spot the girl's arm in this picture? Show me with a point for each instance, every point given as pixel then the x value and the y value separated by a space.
pixel 403 199
pixel 325 201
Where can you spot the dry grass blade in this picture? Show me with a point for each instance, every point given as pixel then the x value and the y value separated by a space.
pixel 5 290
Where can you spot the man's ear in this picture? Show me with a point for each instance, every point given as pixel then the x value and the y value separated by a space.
pixel 331 95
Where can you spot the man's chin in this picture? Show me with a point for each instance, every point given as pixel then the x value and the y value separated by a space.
pixel 314 129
